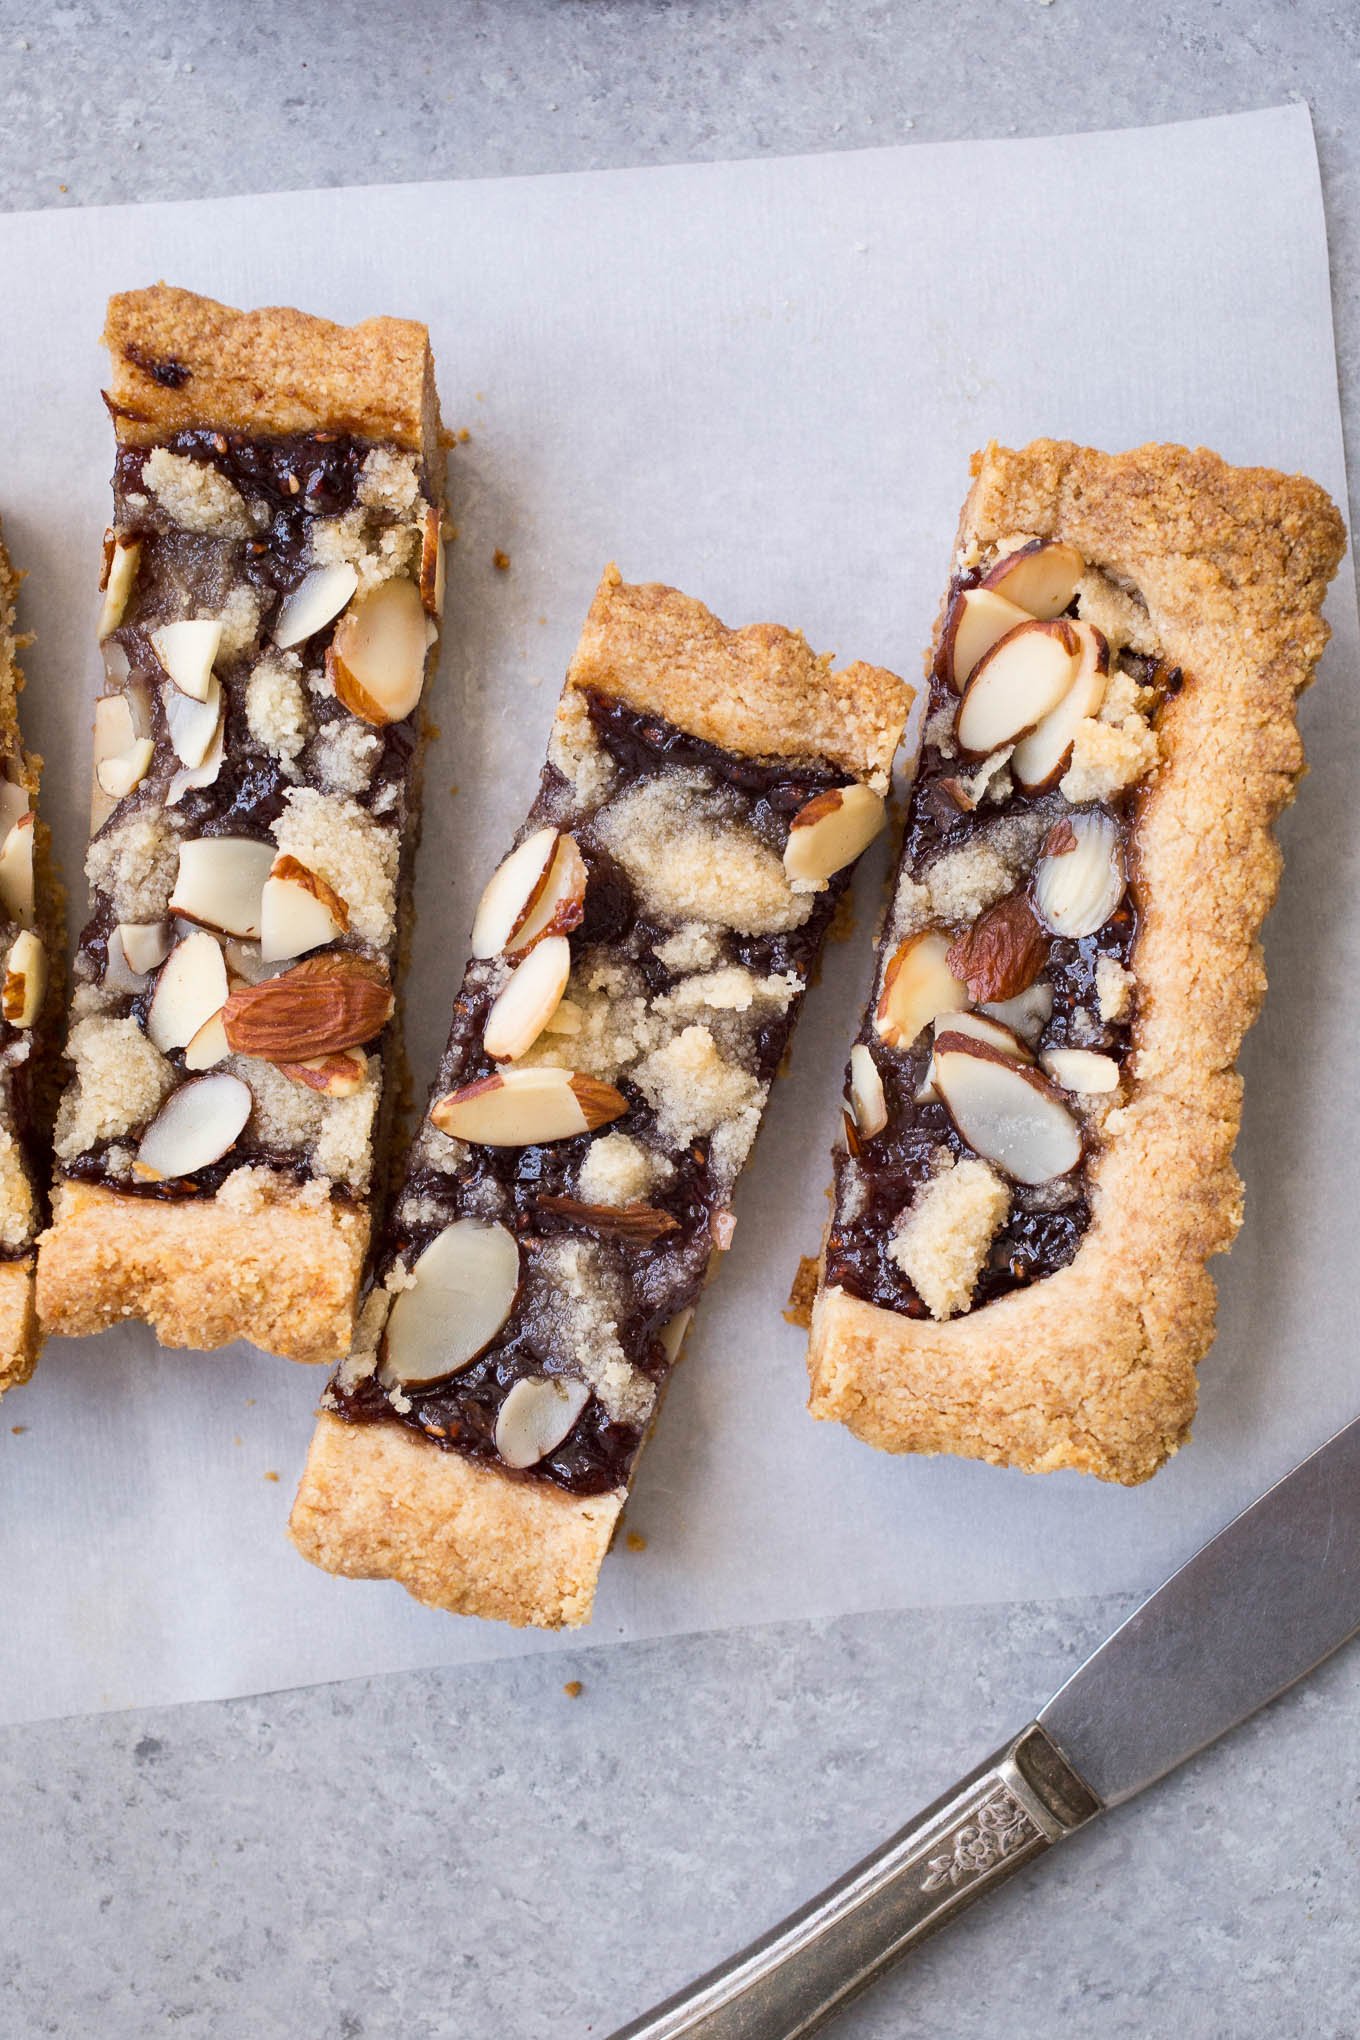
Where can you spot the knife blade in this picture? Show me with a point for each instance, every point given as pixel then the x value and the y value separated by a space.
pixel 1257 1608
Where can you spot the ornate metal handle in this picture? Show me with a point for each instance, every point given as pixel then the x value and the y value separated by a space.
pixel 1015 1806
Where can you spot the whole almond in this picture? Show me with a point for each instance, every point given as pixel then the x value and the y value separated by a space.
pixel 1002 953
pixel 322 1005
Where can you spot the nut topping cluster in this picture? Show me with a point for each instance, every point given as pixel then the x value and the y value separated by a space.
pixel 999 1035
pixel 266 647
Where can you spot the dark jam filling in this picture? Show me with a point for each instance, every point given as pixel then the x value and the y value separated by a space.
pixel 659 1279
pixel 298 478
pixel 1036 1239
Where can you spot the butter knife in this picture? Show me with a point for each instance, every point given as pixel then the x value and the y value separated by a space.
pixel 1261 1604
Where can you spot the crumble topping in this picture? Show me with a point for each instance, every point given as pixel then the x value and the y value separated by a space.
pixel 941 1241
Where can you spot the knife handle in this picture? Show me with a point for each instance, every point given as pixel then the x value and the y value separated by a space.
pixel 1012 1808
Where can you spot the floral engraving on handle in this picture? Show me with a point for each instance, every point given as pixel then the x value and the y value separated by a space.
pixel 1001 1827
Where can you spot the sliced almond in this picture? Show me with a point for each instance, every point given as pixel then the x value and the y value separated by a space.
pixel 193 725
pixel 220 882
pixel 321 1006
pixel 1016 684
pixel 187 650
pixel 119 775
pixel 977 1027
pixel 16 873
pixel 118 976
pixel 917 985
pixel 334 1076
pixel 1041 577
pixel 525 1108
pixel 196 1126
pixel 1080 877
pixel 1039 760
pixel 189 777
pixel 25 980
pixel 13 803
pixel 528 1000
pixel 376 660
pixel 115 732
pixel 461 1291
pixel 560 906
pixel 977 618
pixel 831 832
pixel 209 1045
pixel 511 893
pixel 671 1337
pixel 1081 1070
pixel 1002 953
pixel 432 562
pixel 318 597
pixel 536 1416
pixel 1005 1110
pixel 122 557
pixel 1028 1013
pixel 145 944
pixel 298 911
pixel 191 988
pixel 640 1224
pixel 867 1099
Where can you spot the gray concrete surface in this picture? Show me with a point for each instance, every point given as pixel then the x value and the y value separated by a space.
pixel 478 1854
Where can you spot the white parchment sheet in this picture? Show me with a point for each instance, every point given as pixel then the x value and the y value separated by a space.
pixel 761 382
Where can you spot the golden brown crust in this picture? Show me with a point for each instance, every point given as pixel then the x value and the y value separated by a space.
pixel 179 360
pixel 283 1274
pixel 761 692
pixel 20 1338
pixel 1094 1368
pixel 377 1502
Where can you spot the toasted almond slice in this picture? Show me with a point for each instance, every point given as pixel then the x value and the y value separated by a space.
pixel 298 911
pixel 528 1000
pixel 1080 877
pixel 432 562
pixel 1041 577
pixel 832 831
pixel 1006 1111
pixel 16 872
pixel 536 1416
pixel 122 556
pixel 1028 1013
pixel 376 659
pixel 977 618
pixel 209 1045
pixel 145 944
pixel 25 980
pixel 1002 953
pixel 560 906
pixel 118 976
pixel 1081 1070
pixel 189 777
pixel 119 775
pixel 978 1027
pixel 511 893
pixel 461 1291
pixel 525 1108
pixel 321 1006
pixel 917 984
pixel 193 725
pixel 191 988
pixel 320 595
pixel 1016 684
pixel 867 1099
pixel 187 650
pixel 1039 760
pixel 196 1126
pixel 115 732
pixel 672 1335
pixel 334 1076
pixel 220 882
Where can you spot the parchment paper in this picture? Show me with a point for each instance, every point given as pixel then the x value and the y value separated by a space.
pixel 761 381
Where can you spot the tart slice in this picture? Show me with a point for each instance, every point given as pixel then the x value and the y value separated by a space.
pixel 638 960
pixel 30 1007
pixel 1038 1158
pixel 272 587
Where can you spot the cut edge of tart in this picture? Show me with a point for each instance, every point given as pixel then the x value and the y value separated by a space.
pixel 235 783
pixel 31 984
pixel 637 960
pixel 1015 1267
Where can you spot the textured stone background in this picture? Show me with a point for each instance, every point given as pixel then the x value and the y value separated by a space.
pixel 475 1854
